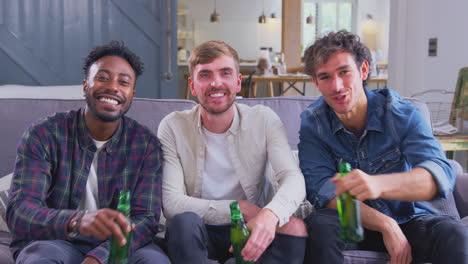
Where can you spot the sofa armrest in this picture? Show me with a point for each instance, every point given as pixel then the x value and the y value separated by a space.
pixel 461 194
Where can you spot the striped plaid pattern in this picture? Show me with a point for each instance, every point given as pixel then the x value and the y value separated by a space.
pixel 52 166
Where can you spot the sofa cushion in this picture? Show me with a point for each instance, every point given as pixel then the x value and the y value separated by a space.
pixel 5 182
pixel 288 109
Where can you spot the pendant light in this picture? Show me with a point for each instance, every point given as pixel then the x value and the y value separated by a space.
pixel 310 19
pixel 262 18
pixel 214 18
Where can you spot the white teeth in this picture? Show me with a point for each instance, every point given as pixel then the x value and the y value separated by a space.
pixel 216 95
pixel 108 100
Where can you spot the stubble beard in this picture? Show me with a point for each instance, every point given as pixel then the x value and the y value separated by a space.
pixel 222 111
pixel 106 118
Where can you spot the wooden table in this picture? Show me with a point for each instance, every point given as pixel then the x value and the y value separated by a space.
pixel 453 142
pixel 291 80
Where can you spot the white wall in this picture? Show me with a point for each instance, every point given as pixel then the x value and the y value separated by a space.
pixel 412 23
pixel 239 24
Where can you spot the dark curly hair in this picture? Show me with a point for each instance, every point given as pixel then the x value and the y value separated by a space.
pixel 114 48
pixel 341 41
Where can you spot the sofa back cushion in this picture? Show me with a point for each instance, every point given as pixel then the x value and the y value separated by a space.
pixel 17 114
pixel 290 108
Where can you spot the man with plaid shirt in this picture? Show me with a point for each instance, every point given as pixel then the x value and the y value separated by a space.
pixel 70 168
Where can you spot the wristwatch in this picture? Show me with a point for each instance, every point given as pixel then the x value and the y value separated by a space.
pixel 75 221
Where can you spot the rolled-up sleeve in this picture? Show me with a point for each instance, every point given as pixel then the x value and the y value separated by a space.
pixel 423 150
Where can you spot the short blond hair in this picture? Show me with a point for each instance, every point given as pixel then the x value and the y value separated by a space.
pixel 210 50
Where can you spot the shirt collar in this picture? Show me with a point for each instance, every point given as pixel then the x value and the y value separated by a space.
pixel 86 141
pixel 376 103
pixel 375 113
pixel 234 125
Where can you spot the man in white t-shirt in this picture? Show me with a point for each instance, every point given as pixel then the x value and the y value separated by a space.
pixel 217 153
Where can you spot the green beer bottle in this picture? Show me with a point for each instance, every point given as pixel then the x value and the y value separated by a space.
pixel 239 233
pixel 119 254
pixel 349 212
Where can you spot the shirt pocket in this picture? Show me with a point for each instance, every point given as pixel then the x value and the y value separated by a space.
pixel 343 157
pixel 390 161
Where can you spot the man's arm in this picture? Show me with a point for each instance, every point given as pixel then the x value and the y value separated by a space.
pixel 28 216
pixel 422 150
pixel 285 170
pixel 316 161
pixel 431 175
pixel 415 185
pixel 395 241
pixel 175 198
pixel 288 197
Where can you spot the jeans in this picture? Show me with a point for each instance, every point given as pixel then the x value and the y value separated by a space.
pixel 433 238
pixel 191 241
pixel 61 251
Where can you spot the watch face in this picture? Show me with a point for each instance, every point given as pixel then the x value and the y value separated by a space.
pixel 72 234
pixel 75 221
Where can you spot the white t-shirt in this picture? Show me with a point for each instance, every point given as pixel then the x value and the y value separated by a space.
pixel 90 199
pixel 220 181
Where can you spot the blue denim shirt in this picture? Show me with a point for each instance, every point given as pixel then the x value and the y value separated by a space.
pixel 396 139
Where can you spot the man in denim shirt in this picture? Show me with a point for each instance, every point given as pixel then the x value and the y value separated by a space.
pixel 397 163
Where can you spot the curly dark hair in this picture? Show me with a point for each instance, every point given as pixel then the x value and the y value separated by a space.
pixel 341 41
pixel 114 48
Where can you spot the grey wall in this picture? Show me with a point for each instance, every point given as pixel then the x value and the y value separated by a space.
pixel 44 42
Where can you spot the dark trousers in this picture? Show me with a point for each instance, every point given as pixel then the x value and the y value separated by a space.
pixel 61 251
pixel 433 238
pixel 189 240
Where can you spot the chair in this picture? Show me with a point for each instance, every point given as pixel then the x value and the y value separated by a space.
pixel 439 103
pixel 292 85
pixel 248 84
pixel 460 99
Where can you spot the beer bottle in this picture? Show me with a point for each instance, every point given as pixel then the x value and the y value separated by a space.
pixel 239 233
pixel 119 254
pixel 349 212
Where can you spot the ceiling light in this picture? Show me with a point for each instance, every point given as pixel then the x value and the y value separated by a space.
pixel 310 19
pixel 262 18
pixel 214 18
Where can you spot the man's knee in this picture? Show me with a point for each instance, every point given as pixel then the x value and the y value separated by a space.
pixel 184 227
pixel 49 251
pixel 150 253
pixel 295 227
pixel 184 220
pixel 452 233
pixel 323 226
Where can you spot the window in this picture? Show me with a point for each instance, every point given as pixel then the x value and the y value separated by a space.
pixel 326 16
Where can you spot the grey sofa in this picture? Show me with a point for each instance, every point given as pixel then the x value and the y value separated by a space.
pixel 17 114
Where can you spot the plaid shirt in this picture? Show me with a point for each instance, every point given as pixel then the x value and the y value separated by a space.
pixel 52 167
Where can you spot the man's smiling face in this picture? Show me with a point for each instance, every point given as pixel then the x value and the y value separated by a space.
pixel 215 84
pixel 109 88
